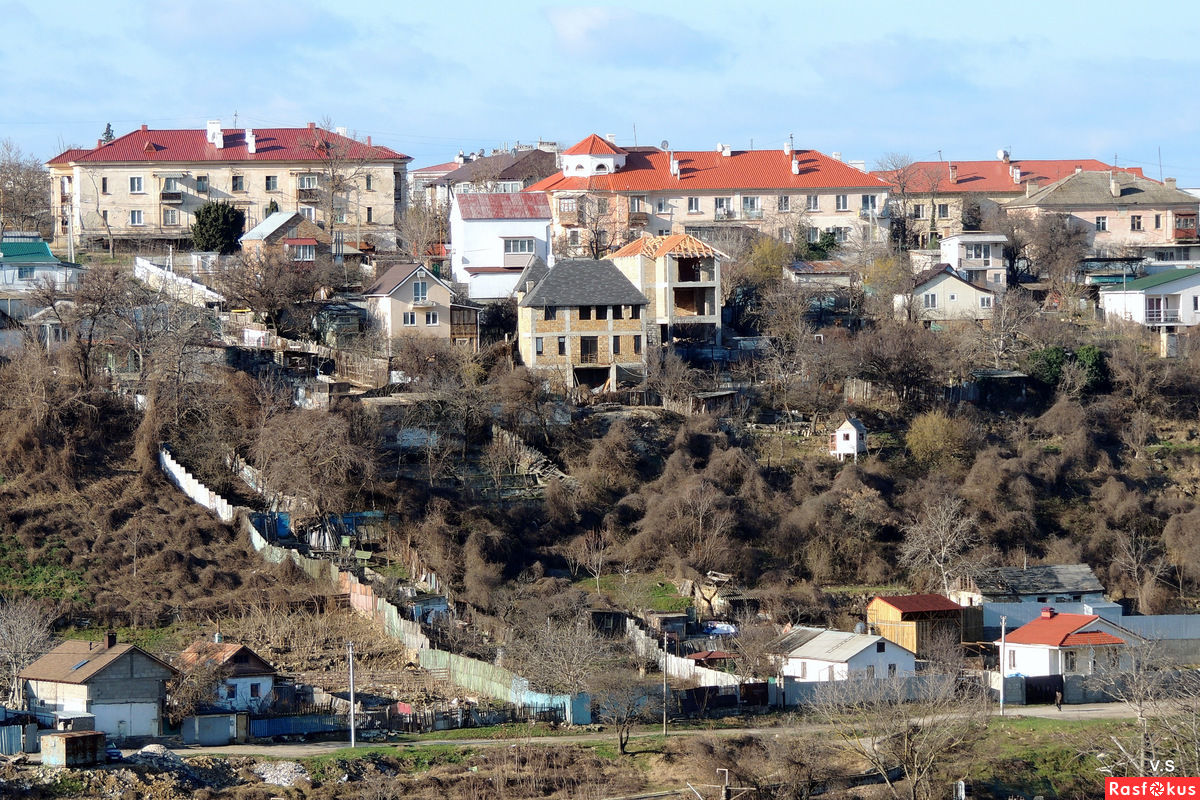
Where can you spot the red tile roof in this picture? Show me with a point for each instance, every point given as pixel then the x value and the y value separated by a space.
pixel 503 205
pixel 912 603
pixel 67 156
pixel 449 166
pixel 1084 638
pixel 993 177
pixel 1056 630
pixel 678 244
pixel 708 170
pixel 594 146
pixel 271 144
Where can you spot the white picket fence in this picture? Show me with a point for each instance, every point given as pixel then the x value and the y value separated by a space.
pixel 193 488
pixel 684 669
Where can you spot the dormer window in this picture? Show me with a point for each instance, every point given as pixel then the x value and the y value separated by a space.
pixel 601 168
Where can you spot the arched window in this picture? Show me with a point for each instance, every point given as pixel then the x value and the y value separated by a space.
pixel 579 167
pixel 601 168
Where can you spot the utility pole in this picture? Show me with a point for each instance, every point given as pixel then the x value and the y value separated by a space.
pixel 350 652
pixel 1003 632
pixel 664 672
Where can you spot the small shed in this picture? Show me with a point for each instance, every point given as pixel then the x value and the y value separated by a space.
pixel 73 749
pixel 849 439
pixel 918 622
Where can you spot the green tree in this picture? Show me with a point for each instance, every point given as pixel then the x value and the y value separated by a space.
pixel 107 136
pixel 218 227
pixel 272 207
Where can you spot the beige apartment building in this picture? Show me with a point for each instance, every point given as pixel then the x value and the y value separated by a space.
pixel 144 188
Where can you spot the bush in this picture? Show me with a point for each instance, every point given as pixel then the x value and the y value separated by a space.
pixel 935 438
pixel 218 227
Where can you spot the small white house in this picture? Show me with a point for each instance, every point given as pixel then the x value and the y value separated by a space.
pixel 849 439
pixel 494 236
pixel 940 295
pixel 1161 301
pixel 978 257
pixel 813 654
pixel 1065 644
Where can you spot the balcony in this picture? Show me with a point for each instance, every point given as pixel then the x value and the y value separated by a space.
pixel 752 213
pixel 1159 316
pixel 638 218
pixel 589 358
pixel 307 195
pixel 171 197
pixel 724 213
pixel 570 218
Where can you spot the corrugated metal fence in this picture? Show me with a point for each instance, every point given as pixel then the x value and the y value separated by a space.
pixel 292 726
pixel 10 739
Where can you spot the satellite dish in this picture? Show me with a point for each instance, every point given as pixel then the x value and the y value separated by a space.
pixel 1001 154
pixel 664 144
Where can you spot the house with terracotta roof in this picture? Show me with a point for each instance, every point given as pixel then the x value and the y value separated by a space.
pixel 146 186
pixel 410 300
pixel 1066 644
pixel 1123 213
pixel 931 196
pixel 582 321
pixel 494 237
pixel 121 685
pixel 681 277
pixel 247 680
pixel 922 623
pixel 940 296
pixel 618 193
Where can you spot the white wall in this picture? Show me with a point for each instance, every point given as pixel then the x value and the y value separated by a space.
pixel 243 701
pixel 865 659
pixel 1032 660
pixel 480 242
pixel 127 719
pixel 492 285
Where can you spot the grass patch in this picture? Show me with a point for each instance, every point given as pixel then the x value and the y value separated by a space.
pixel 331 766
pixel 653 592
pixel 171 637
pixel 864 589
pixel 397 571
pixel 516 730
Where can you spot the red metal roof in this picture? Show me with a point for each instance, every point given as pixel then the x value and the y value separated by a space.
pixel 594 146
pixel 1052 631
pixel 710 655
pixel 1084 638
pixel 449 166
pixel 993 177
pixel 503 205
pixel 271 144
pixel 705 170
pixel 912 603
pixel 300 241
pixel 67 156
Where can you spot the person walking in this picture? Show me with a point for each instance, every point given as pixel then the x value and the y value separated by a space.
pixel 1058 700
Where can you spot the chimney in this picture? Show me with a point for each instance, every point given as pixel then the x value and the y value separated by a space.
pixel 787 148
pixel 1030 188
pixel 795 166
pixel 368 141
pixel 1078 169
pixel 1113 187
pixel 836 155
pixel 110 640
pixel 218 638
pixel 215 136
pixel 312 126
pixel 144 127
pixel 1016 175
pixel 1048 612
pixel 99 143
pixel 1169 183
pixel 720 147
pixel 954 173
pixel 611 137
pixel 340 130
pixel 529 286
pixel 251 143
pixel 727 150
pixel 1006 156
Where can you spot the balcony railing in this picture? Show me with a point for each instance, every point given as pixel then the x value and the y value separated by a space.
pixel 724 213
pixel 307 195
pixel 1161 316
pixel 171 197
pixel 589 358
pixel 638 218
pixel 752 213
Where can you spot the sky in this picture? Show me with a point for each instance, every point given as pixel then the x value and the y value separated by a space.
pixel 1048 79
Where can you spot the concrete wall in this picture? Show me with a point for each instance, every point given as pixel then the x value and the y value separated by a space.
pixel 194 489
pixel 178 287
pixel 684 669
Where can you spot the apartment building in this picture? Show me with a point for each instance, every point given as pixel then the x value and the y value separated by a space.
pixel 145 187
pixel 606 195
pixel 583 320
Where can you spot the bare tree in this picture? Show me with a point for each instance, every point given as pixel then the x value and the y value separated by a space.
pixel 1138 555
pixel 194 687
pixel 421 227
pixel 23 200
pixel 342 163
pixel 1056 246
pixel 622 701
pixel 595 225
pixel 101 217
pixel 560 654
pixel 940 539
pixel 1001 337
pixel 274 284
pixel 25 625
pixel 592 551
pixel 87 312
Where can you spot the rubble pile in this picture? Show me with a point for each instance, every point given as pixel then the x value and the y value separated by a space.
pixel 281 773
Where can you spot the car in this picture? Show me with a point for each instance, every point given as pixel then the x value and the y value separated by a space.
pixel 112 753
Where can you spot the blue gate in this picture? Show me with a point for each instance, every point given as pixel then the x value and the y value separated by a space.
pixel 10 740
pixel 293 726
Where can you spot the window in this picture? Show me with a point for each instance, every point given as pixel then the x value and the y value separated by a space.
pixel 339 216
pixel 943 210
pixel 661 206
pixel 370 214
pixel 431 318
pixel 255 689
pixel 616 345
pixel 803 670
pixel 663 231
pixel 985 301
pixel 308 182
pixel 751 206
pixel 841 235
pixel 589 349
pixel 104 185
pixel 518 245
pixel 562 345
pixel 693 205
pixel 953 297
pixel 601 312
pixel 238 183
pixel 1135 222
pixel 814 235
pixel 721 205
pixel 231 691
pixel 636 204
pixel 202 183
pixel 1113 658
pixel 843 202
pixel 918 211
pixel 879 647
pixel 304 252
pixel 550 312
pixel 868 202
pixel 601 205
pixel 618 312
pixel 814 202
pixel 567 205
pixel 170 184
pixel 135 217
pixel 635 312
pixel 309 213
pixel 585 312
pixel 1157 221
pixel 420 291
pixel 785 235
pixel 368 183
pixel 891 670
pixel 272 183
pixel 573 237
pixel 537 345
pixel 104 216
pixel 1195 302
pixel 784 203
pixel 25 273
pixel 410 318
pixel 637 345
pixel 135 184
pixel 929 300
pixel 1042 599
pixel 170 216
pixel 1101 223
pixel 1012 659
pixel 1070 661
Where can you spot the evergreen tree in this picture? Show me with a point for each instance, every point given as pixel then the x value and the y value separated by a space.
pixel 218 227
pixel 108 133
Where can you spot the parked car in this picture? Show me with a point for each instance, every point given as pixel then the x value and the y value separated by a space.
pixel 112 753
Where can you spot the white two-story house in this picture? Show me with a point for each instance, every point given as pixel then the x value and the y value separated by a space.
pixel 977 256
pixel 494 236
pixel 1162 302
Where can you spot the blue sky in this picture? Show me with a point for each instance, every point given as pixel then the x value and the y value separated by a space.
pixel 1051 79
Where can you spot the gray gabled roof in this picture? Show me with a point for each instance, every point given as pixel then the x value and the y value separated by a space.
pixel 584 282
pixel 270 225
pixel 534 271
pixel 1042 579
pixel 821 645
pixel 1090 189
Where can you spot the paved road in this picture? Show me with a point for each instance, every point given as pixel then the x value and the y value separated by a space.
pixel 310 749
